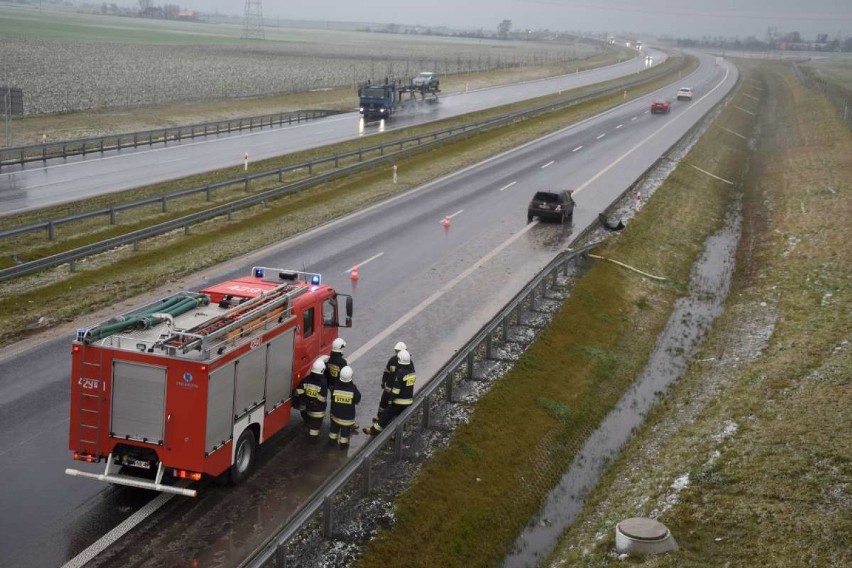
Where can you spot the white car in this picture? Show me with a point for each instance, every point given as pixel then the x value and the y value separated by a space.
pixel 684 94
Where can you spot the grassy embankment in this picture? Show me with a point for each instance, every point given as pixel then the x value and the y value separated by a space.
pixel 471 500
pixel 105 279
pixel 759 427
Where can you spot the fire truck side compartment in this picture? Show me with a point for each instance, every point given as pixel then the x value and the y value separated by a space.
pixel 138 401
pixel 220 406
pixel 251 377
pixel 279 375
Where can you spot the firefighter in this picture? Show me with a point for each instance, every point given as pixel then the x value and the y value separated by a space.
pixel 344 397
pixel 312 393
pixel 401 395
pixel 335 362
pixel 387 377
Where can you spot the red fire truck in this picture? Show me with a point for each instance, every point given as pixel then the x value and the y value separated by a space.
pixel 191 384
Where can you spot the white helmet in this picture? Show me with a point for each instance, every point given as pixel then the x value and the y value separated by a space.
pixel 318 367
pixel 338 344
pixel 345 374
pixel 399 346
pixel 404 357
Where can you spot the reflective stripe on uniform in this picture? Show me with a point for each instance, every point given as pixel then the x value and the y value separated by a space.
pixel 343 422
pixel 403 401
pixel 316 414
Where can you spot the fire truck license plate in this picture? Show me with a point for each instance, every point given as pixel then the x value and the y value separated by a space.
pixel 136 463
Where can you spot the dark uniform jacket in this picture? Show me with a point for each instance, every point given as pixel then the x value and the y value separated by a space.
pixel 313 392
pixel 402 392
pixel 344 397
pixel 388 373
pixel 332 367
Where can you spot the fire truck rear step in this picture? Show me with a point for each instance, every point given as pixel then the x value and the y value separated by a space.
pixel 110 476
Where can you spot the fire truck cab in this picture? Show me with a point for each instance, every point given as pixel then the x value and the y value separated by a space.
pixel 190 385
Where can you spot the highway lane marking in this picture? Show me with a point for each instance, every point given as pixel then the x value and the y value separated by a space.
pixel 451 216
pixel 48 183
pixel 550 163
pixel 668 123
pixel 363 262
pixel 507 186
pixel 745 111
pixel 89 162
pixel 391 329
pixel 634 118
pixel 646 112
pixel 601 136
pixel 119 531
pixel 578 148
pixel 619 126
pixel 751 97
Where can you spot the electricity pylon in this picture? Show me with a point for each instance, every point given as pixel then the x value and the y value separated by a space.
pixel 253 22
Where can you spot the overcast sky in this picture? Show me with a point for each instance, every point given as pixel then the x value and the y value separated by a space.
pixel 683 18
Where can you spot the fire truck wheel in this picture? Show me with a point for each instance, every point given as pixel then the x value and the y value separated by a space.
pixel 243 457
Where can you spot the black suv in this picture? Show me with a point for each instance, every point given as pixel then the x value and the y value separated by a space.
pixel 557 205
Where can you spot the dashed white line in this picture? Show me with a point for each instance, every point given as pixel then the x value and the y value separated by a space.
pixel 451 216
pixel 634 118
pixel 577 149
pixel 550 163
pixel 363 262
pixel 619 126
pixel 745 110
pixel 508 185
pixel 601 136
pixel 646 112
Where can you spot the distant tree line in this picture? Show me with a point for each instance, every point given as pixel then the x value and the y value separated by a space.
pixel 147 9
pixel 790 41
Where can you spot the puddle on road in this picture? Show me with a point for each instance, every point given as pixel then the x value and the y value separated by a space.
pixel 687 326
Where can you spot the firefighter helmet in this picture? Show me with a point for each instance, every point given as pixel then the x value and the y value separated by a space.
pixel 345 374
pixel 399 346
pixel 338 344
pixel 318 367
pixel 404 357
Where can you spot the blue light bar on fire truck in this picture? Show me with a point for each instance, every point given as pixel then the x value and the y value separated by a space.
pixel 262 272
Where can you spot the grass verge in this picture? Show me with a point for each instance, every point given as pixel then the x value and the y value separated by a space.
pixel 757 431
pixel 471 500
pixel 30 304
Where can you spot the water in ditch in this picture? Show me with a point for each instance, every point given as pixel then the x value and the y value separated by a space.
pixel 686 328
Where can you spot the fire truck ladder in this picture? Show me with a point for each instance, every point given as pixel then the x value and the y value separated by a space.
pixel 238 322
pixel 90 399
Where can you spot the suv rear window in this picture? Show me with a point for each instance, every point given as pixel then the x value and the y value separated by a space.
pixel 546 196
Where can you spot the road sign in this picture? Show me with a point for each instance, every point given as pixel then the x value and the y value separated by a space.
pixel 11 101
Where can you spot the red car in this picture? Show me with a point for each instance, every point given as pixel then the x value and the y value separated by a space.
pixel 660 107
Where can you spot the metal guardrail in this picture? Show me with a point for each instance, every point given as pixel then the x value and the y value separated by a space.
pixel 441 385
pixel 418 143
pixel 101 144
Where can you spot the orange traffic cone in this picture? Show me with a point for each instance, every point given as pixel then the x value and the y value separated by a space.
pixel 354 274
pixel 447 222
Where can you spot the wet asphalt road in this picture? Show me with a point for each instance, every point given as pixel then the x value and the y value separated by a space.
pixel 36 185
pixel 47 518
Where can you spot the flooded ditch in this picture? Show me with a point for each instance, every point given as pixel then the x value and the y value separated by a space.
pixel 687 326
